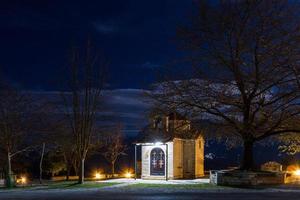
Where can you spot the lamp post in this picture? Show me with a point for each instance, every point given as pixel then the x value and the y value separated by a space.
pixel 135 164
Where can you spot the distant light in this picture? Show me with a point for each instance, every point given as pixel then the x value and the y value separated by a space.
pixel 297 172
pixel 22 180
pixel 97 175
pixel 128 175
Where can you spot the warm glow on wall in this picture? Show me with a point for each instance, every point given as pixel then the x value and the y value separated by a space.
pixel 297 172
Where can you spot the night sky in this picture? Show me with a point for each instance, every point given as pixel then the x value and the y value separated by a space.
pixel 137 37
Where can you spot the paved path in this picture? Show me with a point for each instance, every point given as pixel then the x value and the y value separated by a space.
pixel 162 193
pixel 126 182
pixel 143 194
pixel 131 181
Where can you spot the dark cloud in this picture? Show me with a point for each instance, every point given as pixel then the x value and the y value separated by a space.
pixel 36 37
pixel 106 28
pixel 126 106
pixel 150 65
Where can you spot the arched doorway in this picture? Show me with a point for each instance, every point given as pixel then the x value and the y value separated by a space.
pixel 157 162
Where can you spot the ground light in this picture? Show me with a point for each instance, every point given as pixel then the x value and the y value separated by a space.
pixel 97 175
pixel 22 180
pixel 128 175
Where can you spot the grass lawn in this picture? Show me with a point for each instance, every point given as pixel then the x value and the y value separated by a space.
pixel 74 185
pixel 62 185
pixel 176 186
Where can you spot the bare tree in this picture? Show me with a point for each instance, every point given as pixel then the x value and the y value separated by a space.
pixel 62 138
pixel 15 121
pixel 64 142
pixel 44 130
pixel 114 146
pixel 83 100
pixel 243 56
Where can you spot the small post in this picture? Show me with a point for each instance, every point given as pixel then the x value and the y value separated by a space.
pixel 135 164
pixel 167 158
pixel 41 163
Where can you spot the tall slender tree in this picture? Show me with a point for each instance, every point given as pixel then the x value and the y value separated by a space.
pixel 83 100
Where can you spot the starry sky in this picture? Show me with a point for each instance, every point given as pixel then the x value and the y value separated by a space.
pixel 137 37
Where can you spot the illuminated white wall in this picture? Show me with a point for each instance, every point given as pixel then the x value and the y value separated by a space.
pixel 146 150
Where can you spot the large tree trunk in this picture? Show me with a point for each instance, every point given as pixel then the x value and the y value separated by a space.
pixel 113 169
pixel 41 164
pixel 81 175
pixel 248 162
pixel 10 182
pixel 9 164
pixel 68 172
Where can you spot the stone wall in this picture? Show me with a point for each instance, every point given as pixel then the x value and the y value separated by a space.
pixel 246 178
pixel 292 178
pixel 271 166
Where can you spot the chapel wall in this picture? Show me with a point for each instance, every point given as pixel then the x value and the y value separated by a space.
pixel 189 158
pixel 178 158
pixel 199 157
